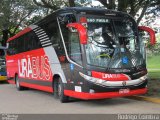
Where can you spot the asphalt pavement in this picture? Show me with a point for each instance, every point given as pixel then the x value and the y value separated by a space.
pixel 38 102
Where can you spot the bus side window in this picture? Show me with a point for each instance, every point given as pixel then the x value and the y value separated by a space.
pixel 71 39
pixel 34 41
pixel 2 52
pixel 9 50
pixel 20 44
pixel 28 42
pixel 75 48
pixel 53 33
pixel 66 18
pixel 51 29
pixel 12 48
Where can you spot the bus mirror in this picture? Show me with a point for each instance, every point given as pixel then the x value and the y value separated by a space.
pixel 151 33
pixel 81 30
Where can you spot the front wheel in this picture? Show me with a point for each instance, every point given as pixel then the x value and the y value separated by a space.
pixel 59 91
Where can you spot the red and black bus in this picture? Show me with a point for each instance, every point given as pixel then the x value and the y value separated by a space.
pixel 85 53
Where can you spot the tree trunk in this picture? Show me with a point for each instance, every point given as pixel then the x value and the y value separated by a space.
pixel 122 5
pixel 71 3
pixel 112 4
pixel 5 37
pixel 142 14
pixel 148 3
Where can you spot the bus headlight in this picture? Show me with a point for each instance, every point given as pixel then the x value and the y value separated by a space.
pixel 143 77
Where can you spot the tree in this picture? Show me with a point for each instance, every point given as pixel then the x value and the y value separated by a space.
pixel 54 4
pixel 14 15
pixel 136 8
pixel 57 4
pixel 133 6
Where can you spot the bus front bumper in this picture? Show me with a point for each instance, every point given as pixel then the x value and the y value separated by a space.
pixel 103 95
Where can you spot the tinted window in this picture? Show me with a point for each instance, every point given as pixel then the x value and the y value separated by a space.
pixel 64 19
pixel 32 41
pixel 12 47
pixel 71 39
pixel 51 29
pixel 27 42
pixel 74 49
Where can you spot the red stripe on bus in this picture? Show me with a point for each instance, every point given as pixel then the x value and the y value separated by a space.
pixel 20 34
pixel 39 87
pixel 87 96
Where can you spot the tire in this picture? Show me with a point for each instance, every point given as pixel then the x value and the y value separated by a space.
pixel 59 91
pixel 18 86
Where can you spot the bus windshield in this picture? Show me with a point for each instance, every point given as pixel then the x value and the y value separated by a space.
pixel 113 43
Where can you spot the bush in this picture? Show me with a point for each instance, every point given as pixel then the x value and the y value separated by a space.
pixel 153 49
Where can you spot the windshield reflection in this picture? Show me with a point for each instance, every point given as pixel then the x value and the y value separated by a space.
pixel 113 44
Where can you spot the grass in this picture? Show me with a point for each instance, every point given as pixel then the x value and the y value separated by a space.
pixel 153 65
pixel 153 62
pixel 154 74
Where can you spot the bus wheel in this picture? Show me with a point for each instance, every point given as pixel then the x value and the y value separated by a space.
pixel 59 91
pixel 18 86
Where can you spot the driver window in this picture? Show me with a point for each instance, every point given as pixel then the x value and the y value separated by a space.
pixel 75 50
pixel 71 39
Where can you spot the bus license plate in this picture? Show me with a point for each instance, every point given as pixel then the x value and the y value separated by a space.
pixel 124 91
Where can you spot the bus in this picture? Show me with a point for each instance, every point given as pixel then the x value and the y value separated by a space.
pixel 3 74
pixel 79 52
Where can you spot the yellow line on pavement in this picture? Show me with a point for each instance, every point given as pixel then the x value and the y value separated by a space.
pixel 144 98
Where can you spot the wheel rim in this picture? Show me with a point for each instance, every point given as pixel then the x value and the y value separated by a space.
pixel 59 89
pixel 17 82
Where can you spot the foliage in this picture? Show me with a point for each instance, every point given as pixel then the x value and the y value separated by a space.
pixel 153 49
pixel 17 14
pixel 136 8
pixel 133 7
pixel 158 38
pixel 53 5
pixel 14 15
pixel 153 62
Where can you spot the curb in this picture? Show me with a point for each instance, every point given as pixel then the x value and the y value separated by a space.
pixel 144 98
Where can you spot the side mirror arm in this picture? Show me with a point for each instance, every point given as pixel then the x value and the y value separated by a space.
pixel 81 30
pixel 151 33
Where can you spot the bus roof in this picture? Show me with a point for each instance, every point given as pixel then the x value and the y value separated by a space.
pixel 26 30
pixel 77 10
pixel 87 10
